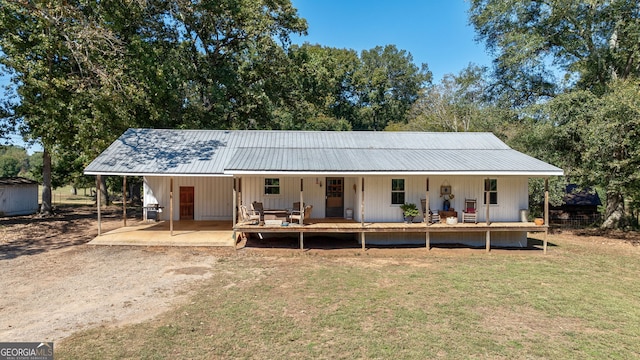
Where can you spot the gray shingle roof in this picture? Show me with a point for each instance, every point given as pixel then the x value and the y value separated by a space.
pixel 220 152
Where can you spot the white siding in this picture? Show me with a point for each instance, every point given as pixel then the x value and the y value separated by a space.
pixel 512 196
pixel 213 196
pixel 18 200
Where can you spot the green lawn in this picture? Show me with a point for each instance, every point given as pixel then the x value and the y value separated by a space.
pixel 581 301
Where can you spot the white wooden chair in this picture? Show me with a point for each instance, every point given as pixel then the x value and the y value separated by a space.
pixel 434 217
pixel 470 211
pixel 428 214
pixel 301 217
pixel 250 216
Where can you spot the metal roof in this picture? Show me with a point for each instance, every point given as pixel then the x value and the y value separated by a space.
pixel 10 181
pixel 221 152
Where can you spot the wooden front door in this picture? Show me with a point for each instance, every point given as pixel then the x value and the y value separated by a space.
pixel 186 202
pixel 335 197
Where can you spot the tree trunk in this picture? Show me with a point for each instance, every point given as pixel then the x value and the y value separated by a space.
pixel 104 194
pixel 135 192
pixel 614 215
pixel 46 207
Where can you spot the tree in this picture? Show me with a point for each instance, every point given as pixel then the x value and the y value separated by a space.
pixel 538 42
pixel 386 84
pixel 84 71
pixel 594 46
pixel 61 59
pixel 458 103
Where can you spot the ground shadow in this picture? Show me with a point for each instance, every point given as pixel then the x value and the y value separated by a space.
pixel 334 243
pixel 68 226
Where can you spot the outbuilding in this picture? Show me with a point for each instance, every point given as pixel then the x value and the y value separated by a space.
pixel 18 196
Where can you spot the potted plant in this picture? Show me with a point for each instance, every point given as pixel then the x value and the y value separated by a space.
pixel 409 211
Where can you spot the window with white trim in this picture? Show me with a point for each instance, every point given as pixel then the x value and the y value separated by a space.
pixel 490 187
pixel 397 191
pixel 272 186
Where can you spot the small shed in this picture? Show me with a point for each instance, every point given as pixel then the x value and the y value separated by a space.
pixel 579 206
pixel 18 196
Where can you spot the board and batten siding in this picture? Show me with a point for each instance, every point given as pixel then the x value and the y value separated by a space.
pixel 18 199
pixel 513 195
pixel 314 193
pixel 213 196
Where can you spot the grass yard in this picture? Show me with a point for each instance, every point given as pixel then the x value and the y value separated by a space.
pixel 580 301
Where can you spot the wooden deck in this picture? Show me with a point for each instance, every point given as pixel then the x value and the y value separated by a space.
pixel 346 226
pixel 361 229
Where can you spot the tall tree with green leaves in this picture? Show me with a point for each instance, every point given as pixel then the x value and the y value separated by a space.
pixel 386 84
pixel 571 63
pixel 60 56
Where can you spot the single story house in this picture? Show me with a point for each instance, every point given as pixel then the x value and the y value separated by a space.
pixel 362 176
pixel 18 196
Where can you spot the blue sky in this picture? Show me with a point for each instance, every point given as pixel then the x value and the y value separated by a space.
pixel 435 32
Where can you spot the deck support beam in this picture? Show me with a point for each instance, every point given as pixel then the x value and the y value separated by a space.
pixel 488 241
pixel 362 236
pixel 301 239
pixel 98 202
pixel 428 240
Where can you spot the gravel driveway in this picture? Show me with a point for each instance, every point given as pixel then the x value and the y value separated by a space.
pixel 53 284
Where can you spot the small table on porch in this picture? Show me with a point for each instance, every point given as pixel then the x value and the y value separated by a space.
pixel 445 214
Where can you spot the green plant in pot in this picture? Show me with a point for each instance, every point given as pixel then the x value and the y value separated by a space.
pixel 409 211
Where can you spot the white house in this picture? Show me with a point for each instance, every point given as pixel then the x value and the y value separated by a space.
pixel 361 175
pixel 18 196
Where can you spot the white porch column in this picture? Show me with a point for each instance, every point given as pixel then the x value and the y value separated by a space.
pixel 546 213
pixel 301 222
pixel 124 200
pixel 98 201
pixel 362 235
pixel 171 206
pixel 427 218
pixel 362 201
pixel 487 198
pixel 234 216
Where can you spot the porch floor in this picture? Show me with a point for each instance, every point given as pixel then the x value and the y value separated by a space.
pixel 185 233
pixel 350 226
pixel 220 233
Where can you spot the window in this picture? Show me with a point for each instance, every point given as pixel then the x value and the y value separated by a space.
pixel 491 187
pixel 271 186
pixel 397 191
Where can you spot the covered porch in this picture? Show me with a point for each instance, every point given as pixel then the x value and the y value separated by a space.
pixel 185 233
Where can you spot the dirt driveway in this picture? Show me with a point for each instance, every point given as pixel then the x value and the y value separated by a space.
pixel 53 284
